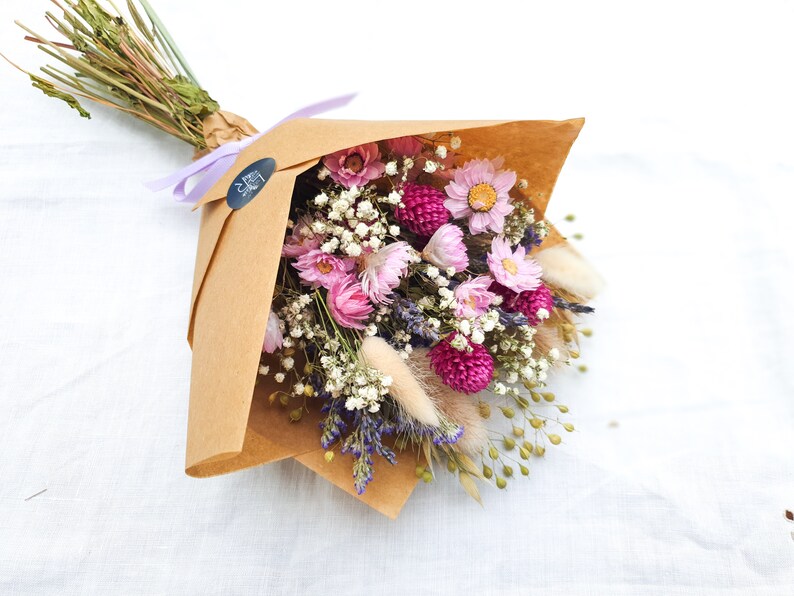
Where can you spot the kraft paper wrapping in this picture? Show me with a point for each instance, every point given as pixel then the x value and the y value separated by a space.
pixel 231 425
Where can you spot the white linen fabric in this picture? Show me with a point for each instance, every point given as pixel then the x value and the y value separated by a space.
pixel 682 466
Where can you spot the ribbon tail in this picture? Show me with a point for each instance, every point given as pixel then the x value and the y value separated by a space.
pixel 215 173
pixel 200 165
pixel 318 108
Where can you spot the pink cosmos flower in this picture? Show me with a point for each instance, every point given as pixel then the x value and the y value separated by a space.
pixel 301 240
pixel 405 146
pixel 383 269
pixel 446 249
pixel 513 269
pixel 355 166
pixel 348 303
pixel 273 335
pixel 473 297
pixel 479 192
pixel 317 268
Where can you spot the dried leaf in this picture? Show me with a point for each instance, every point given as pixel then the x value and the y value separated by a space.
pixel 468 484
pixel 427 449
pixel 465 462
pixel 49 89
pixel 198 101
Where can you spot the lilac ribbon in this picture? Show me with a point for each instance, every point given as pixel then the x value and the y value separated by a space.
pixel 214 165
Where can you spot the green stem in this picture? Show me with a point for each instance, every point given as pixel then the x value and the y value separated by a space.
pixel 160 27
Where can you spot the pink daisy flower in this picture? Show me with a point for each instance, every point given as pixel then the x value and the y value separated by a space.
pixel 513 269
pixel 405 146
pixel 317 268
pixel 383 270
pixel 348 303
pixel 301 240
pixel 446 249
pixel 479 193
pixel 473 297
pixel 355 166
pixel 273 335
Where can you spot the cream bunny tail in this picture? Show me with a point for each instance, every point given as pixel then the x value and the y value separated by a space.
pixel 567 269
pixel 406 389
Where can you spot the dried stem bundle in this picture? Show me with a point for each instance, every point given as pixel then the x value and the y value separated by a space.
pixel 134 67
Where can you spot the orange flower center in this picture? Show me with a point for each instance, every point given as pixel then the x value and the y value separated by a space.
pixel 482 197
pixel 354 163
pixel 324 267
pixel 510 266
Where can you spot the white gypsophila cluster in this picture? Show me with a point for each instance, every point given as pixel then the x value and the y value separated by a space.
pixel 517 223
pixel 517 362
pixel 298 326
pixel 363 387
pixel 431 166
pixel 441 151
pixel 542 228
pixel 460 343
pixel 476 327
pixel 353 222
pixel 408 164
pixel 447 299
pixel 455 143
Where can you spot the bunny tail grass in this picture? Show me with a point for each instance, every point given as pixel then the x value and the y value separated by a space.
pixel 566 268
pixel 406 390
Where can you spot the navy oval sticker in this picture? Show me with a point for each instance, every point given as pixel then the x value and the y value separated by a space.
pixel 249 182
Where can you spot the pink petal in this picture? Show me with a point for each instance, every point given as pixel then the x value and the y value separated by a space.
pixel 504 181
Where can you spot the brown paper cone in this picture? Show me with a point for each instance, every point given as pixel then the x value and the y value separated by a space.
pixel 231 425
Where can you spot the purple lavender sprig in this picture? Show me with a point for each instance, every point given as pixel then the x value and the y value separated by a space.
pixel 333 425
pixel 414 319
pixel 447 433
pixel 512 319
pixel 581 309
pixel 531 238
pixel 365 440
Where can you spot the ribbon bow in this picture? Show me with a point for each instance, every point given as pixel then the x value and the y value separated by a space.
pixel 214 165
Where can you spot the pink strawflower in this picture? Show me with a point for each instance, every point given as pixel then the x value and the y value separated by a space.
pixel 301 240
pixel 355 166
pixel 473 296
pixel 405 146
pixel 446 249
pixel 423 210
pixel 348 303
pixel 480 193
pixel 382 271
pixel 317 268
pixel 273 336
pixel 513 269
pixel 463 370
